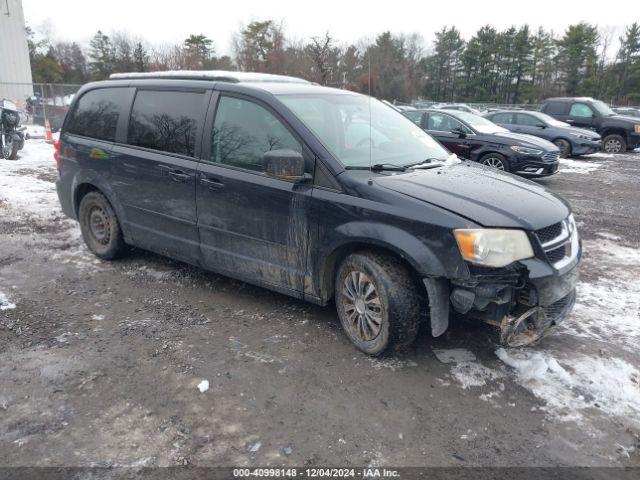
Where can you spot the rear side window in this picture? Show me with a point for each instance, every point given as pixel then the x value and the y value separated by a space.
pixel 415 117
pixel 556 108
pixel 167 121
pixel 96 113
pixel 243 131
pixel 504 118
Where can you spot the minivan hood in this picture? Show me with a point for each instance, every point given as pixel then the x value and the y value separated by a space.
pixel 523 140
pixel 484 195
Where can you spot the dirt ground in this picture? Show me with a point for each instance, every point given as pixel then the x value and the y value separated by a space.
pixel 100 362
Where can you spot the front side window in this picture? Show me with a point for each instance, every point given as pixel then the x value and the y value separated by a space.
pixel 244 131
pixel 166 120
pixel 580 110
pixel 527 120
pixel 443 123
pixel 504 118
pixel 360 131
pixel 96 113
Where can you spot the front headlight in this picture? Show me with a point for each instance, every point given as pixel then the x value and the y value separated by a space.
pixel 525 150
pixel 493 247
pixel 636 128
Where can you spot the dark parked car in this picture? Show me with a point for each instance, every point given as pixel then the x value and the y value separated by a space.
pixel 628 111
pixel 570 140
pixel 619 133
pixel 317 193
pixel 476 138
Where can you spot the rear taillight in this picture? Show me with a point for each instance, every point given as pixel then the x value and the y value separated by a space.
pixel 56 153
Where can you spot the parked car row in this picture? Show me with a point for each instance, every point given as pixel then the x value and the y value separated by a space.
pixel 475 138
pixel 576 125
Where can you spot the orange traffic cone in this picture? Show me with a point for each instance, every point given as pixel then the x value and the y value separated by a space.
pixel 48 137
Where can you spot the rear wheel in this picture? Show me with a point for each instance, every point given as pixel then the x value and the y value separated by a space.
pixel 495 160
pixel 10 148
pixel 99 225
pixel 564 146
pixel 377 302
pixel 614 144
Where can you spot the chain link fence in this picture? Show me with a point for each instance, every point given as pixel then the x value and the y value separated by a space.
pixel 39 102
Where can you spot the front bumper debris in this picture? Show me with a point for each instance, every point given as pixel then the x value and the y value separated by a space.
pixel 523 309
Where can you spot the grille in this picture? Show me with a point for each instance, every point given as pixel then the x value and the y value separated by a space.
pixel 549 233
pixel 556 254
pixel 551 157
pixel 558 310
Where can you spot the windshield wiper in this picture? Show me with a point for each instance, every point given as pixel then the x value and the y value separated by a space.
pixel 428 163
pixel 388 166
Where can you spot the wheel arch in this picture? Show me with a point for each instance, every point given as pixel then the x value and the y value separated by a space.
pixel 419 260
pixel 86 184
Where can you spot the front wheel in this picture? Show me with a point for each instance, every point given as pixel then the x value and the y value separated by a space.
pixel 614 144
pixel 377 302
pixel 496 161
pixel 10 148
pixel 99 225
pixel 563 146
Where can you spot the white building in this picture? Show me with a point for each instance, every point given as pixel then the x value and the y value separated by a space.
pixel 15 67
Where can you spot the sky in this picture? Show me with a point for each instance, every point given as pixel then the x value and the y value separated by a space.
pixel 162 22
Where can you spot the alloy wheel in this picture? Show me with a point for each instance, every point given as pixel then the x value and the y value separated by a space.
pixel 362 306
pixel 493 162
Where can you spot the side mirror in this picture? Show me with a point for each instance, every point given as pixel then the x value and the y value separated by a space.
pixel 541 125
pixel 285 164
pixel 458 131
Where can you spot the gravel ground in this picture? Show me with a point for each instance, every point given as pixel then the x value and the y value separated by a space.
pixel 101 362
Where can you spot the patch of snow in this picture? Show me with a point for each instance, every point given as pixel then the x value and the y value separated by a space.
pixel 392 364
pixel 5 304
pixel 474 374
pixel 454 355
pixel 97 317
pixel 203 386
pixel 34 131
pixel 578 166
pixel 608 384
pixel 608 308
pixel 608 236
pixel 255 447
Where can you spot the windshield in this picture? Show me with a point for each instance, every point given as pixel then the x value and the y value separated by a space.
pixel 603 109
pixel 341 122
pixel 480 124
pixel 550 120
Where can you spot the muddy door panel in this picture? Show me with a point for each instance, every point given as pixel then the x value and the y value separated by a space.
pixel 252 226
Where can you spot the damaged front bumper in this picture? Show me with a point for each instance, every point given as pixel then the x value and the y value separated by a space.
pixel 524 301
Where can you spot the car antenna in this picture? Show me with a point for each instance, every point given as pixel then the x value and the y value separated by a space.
pixel 370 140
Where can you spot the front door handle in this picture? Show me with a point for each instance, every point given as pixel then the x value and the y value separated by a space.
pixel 211 183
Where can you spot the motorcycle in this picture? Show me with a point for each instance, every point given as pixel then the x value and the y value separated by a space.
pixel 11 134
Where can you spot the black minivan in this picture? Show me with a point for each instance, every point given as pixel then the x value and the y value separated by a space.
pixel 318 193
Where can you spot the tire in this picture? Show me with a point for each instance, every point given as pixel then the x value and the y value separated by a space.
pixel 381 319
pixel 564 146
pixel 100 227
pixel 10 149
pixel 495 160
pixel 614 144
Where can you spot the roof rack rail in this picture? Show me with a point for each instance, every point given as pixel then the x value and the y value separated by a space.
pixel 211 75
